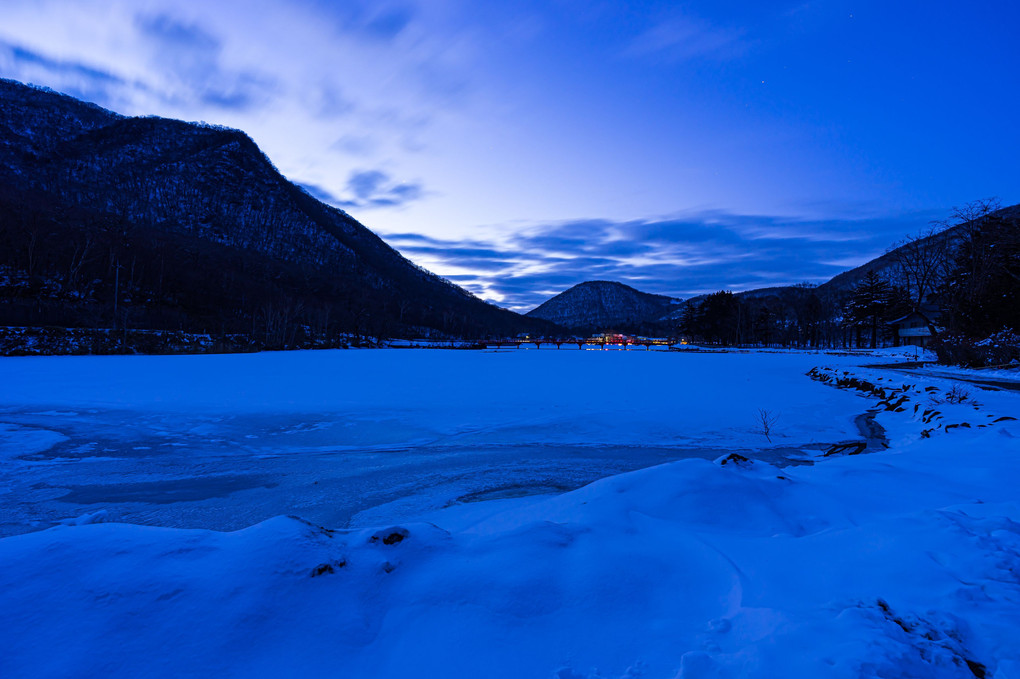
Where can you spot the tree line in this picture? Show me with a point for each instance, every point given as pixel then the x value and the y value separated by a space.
pixel 161 225
pixel 962 274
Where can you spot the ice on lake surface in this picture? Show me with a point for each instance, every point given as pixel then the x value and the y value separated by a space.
pixel 342 438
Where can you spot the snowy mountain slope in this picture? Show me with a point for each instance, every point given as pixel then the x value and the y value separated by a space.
pixel 206 231
pixel 886 265
pixel 603 305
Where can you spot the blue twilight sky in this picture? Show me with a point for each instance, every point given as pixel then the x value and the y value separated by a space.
pixel 521 147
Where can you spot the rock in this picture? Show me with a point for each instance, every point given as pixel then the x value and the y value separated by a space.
pixel 390 536
pixel 737 460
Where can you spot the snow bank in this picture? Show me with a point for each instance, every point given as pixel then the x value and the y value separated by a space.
pixel 1007 374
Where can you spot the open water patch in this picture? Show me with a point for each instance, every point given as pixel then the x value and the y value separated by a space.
pixel 165 492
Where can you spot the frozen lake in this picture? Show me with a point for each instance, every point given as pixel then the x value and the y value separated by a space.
pixel 347 438
pixel 460 561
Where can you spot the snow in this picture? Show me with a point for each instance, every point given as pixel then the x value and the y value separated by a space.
pixel 900 563
pixel 1006 374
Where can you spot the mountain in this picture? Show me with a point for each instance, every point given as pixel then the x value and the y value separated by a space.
pixel 602 306
pixel 114 221
pixel 596 306
pixel 886 265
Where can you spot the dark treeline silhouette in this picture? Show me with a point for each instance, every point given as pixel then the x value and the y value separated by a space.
pixel 114 222
pixel 980 292
pixel 788 317
pixel 962 276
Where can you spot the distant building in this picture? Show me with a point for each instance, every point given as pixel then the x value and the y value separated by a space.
pixel 914 329
pixel 613 338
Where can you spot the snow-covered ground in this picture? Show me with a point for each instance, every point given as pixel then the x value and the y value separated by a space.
pixel 900 563
pixel 1004 374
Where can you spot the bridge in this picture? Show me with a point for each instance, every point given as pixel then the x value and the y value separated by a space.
pixel 604 342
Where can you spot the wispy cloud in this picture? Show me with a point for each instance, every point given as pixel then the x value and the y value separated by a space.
pixel 380 20
pixel 368 77
pixel 682 37
pixel 76 78
pixel 189 57
pixel 387 23
pixel 367 189
pixel 355 144
pixel 187 71
pixel 683 256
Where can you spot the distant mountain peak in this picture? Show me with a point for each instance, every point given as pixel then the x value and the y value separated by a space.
pixel 595 306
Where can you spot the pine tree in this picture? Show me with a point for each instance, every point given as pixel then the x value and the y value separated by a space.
pixel 720 318
pixel 688 324
pixel 869 303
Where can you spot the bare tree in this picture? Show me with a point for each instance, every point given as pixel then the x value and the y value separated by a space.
pixel 766 420
pixel 924 261
pixel 82 255
pixel 973 213
pixel 971 268
pixel 31 245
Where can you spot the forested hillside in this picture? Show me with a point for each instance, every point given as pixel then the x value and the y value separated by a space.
pixel 597 306
pixel 964 275
pixel 115 222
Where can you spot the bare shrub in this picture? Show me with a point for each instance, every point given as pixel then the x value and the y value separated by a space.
pixel 957 394
pixel 766 421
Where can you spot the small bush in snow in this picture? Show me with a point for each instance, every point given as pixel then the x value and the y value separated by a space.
pixel 999 349
pixel 957 394
pixel 766 421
